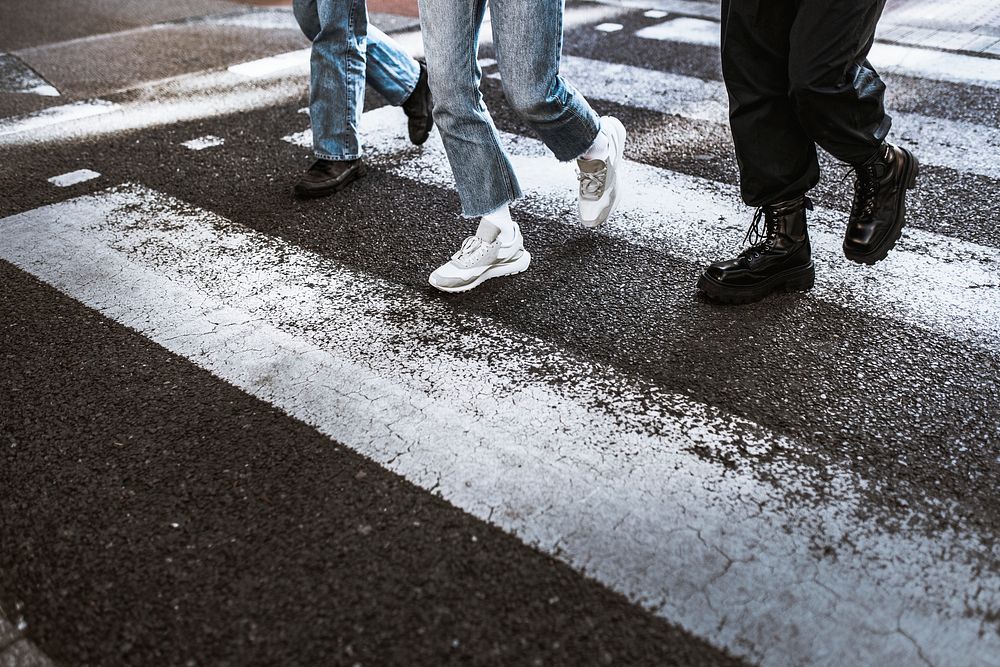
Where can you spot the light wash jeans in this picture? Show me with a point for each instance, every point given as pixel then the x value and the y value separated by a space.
pixel 527 37
pixel 344 49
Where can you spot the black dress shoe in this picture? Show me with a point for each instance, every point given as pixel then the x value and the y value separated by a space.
pixel 778 259
pixel 325 177
pixel 418 107
pixel 879 209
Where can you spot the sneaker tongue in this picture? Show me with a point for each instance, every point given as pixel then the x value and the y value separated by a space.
pixel 591 166
pixel 487 231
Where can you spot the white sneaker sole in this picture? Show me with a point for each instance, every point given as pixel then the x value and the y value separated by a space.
pixel 520 265
pixel 621 134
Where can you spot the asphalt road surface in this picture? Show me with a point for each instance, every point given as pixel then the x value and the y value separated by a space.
pixel 240 429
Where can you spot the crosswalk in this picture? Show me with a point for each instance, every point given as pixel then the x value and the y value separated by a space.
pixel 704 516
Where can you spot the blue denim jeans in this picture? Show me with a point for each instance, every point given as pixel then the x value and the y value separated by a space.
pixel 527 37
pixel 346 52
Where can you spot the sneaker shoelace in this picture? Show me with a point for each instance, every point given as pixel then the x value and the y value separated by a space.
pixel 469 246
pixel 592 183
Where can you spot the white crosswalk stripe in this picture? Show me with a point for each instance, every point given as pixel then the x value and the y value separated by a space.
pixel 906 60
pixel 607 477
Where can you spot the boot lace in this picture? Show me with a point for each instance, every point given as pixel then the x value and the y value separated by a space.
pixel 866 186
pixel 761 234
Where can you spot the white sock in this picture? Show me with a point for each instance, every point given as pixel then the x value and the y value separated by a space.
pixel 497 224
pixel 599 150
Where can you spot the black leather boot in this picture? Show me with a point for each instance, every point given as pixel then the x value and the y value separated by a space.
pixel 879 209
pixel 418 107
pixel 325 177
pixel 779 257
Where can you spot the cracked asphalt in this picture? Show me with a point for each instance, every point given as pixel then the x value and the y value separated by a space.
pixel 621 491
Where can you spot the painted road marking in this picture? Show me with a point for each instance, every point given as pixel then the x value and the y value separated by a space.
pixel 894 26
pixel 608 27
pixel 607 477
pixel 266 67
pixel 74 177
pixel 186 98
pixel 906 60
pixel 931 280
pixel 59 115
pixel 963 146
pixel 684 30
pixel 201 143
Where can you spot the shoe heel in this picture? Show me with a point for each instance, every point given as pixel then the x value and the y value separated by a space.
pixel 802 283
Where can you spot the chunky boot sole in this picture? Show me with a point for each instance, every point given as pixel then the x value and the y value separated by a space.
pixel 327 190
pixel 793 280
pixel 881 251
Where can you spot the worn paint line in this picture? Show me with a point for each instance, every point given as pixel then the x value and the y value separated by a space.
pixel 53 116
pixel 573 457
pixel 906 60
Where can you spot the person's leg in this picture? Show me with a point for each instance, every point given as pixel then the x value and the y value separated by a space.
pixel 839 100
pixel 483 173
pixel 402 81
pixel 337 83
pixel 555 110
pixel 837 95
pixel 484 177
pixel 776 156
pixel 391 71
pixel 337 29
pixel 529 71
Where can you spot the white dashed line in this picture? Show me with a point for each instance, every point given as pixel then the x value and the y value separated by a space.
pixel 74 177
pixel 201 143
pixel 54 116
pixel 608 27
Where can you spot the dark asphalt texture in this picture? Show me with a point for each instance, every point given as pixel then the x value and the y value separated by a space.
pixel 154 515
pixel 292 549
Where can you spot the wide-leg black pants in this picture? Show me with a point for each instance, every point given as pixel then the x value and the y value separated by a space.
pixel 798 75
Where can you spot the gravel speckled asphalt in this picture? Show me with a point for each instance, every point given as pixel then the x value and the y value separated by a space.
pixel 154 514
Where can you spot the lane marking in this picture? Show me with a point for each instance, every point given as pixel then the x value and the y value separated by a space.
pixel 52 116
pixel 574 458
pixel 74 177
pixel 201 143
pixel 608 27
pixel 965 147
pixel 905 60
pixel 892 28
pixel 266 67
pixel 683 30
pixel 928 281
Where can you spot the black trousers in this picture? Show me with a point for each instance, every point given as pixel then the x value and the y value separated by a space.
pixel 798 75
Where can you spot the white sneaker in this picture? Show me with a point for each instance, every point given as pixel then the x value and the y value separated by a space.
pixel 478 260
pixel 600 180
